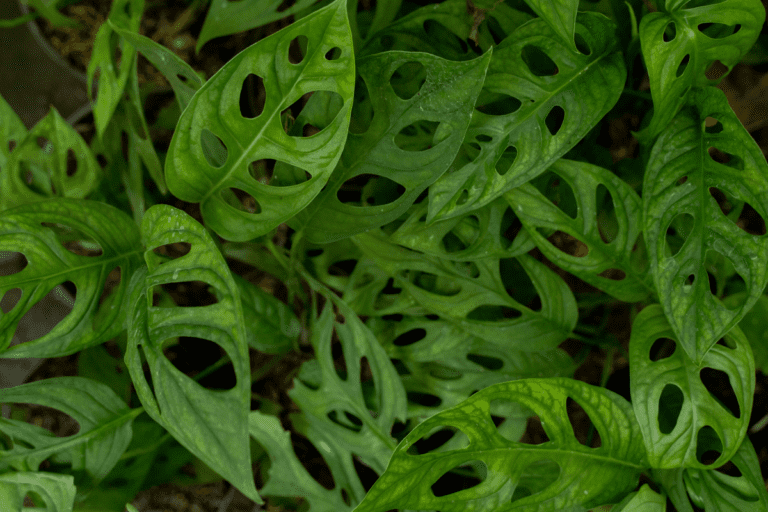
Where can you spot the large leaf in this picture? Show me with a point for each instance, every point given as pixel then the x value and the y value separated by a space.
pixel 680 417
pixel 51 160
pixel 194 174
pixel 57 237
pixel 104 419
pixel 680 44
pixel 560 15
pixel 212 424
pixel 475 295
pixel 590 226
pixel 539 99
pixel 683 181
pixel 413 137
pixel 578 476
pixel 57 491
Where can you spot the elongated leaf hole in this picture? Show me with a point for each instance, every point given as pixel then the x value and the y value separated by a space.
pixel 312 461
pixel 670 32
pixel 57 422
pixel 751 221
pixel 45 144
pixel 670 405
pixel 718 383
pixel 188 293
pixel 517 283
pixel 538 62
pixel 432 283
pixel 253 95
pixel 346 420
pixel 11 145
pixel 342 268
pixel 418 136
pixel 510 227
pixel 297 49
pixel 214 149
pixel 369 190
pixel 191 355
pixel 733 161
pixel 730 469
pixel 171 251
pixel 662 348
pixel 333 54
pixel 718 30
pixel 483 138
pixel 506 161
pixel 424 399
pixel 712 125
pixel 726 206
pixel 487 362
pixel 10 299
pixel 581 44
pixel 240 200
pixel 488 313
pixel 441 372
pixel 276 173
pixel 13 262
pixel 607 221
pixel 681 181
pixel 677 232
pixel 709 447
pixel 437 438
pixel 452 482
pixel 614 274
pixel 410 337
pixel 362 109
pixel 712 283
pixel 583 427
pixel 75 240
pixel 444 38
pixel 558 191
pixel 535 478
pixel 71 163
pixel 568 244
pixel 463 197
pixel 408 79
pixel 452 243
pixel 554 120
pixel 364 472
pixel 681 67
pixel 497 104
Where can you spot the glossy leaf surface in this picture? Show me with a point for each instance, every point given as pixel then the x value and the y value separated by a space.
pixel 560 15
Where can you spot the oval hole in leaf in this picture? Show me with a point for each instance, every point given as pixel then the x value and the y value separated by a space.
pixel 37 178
pixel 171 251
pixel 438 437
pixel 432 283
pixel 662 348
pixel 214 149
pixel 418 136
pixel 718 383
pixel 12 262
pixel 518 284
pixel 568 244
pixel 276 173
pixel 751 221
pixel 712 125
pixel 487 362
pixel 10 299
pixel 558 191
pixel 71 163
pixel 187 293
pixel 670 405
pixel 730 469
pixel 709 447
pixel 424 399
pixel 45 144
pixel 614 274
pixel 444 373
pixel 463 197
pixel 535 478
pixel 583 427
pixel 311 113
pixel 253 95
pixel 408 79
pixel 718 30
pixel 240 200
pixel 312 461
pixel 449 42
pixel 487 313
pixel 297 49
pixel 58 423
pixel 510 227
pixel 670 32
pixel 677 232
pixel 507 160
pixel 369 190
pixel 342 268
pixel 362 109
pixel 469 475
pixel 538 62
pixel 581 44
pixel 191 355
pixel 333 54
pixel 554 119
pixel 346 420
pixel 365 473
pixel 74 240
pixel 728 159
pixel 683 64
pixel 410 337
pixel 607 221
pixel 11 145
pixel 497 104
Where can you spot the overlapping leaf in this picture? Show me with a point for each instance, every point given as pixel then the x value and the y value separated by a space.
pixel 51 160
pixel 104 419
pixel 394 146
pixel 210 424
pixel 560 15
pixel 680 44
pixel 52 260
pixel 272 327
pixel 644 500
pixel 585 477
pixel 207 177
pixel 58 491
pixel 680 190
pixel 474 296
pixel 532 110
pixel 680 419
pixel 536 212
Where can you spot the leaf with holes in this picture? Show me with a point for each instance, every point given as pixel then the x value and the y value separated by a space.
pixel 413 138
pixel 683 422
pixel 477 295
pixel 539 99
pixel 51 160
pixel 212 424
pixel 56 491
pixel 580 476
pixel 609 244
pixel 67 240
pixel 679 46
pixel 560 15
pixel 684 177
pixel 12 132
pixel 104 419
pixel 232 162
pixel 272 326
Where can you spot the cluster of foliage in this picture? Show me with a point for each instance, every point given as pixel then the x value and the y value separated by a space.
pixel 426 162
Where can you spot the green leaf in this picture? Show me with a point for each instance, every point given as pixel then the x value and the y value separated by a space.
pixel 60 239
pixel 644 500
pixel 753 327
pixel 476 295
pixel 49 9
pixel 681 44
pixel 581 476
pixel 534 82
pixel 12 132
pixel 211 424
pixel 51 160
pixel 680 418
pixel 272 326
pixel 57 491
pixel 681 186
pixel 208 177
pixel 609 247
pixel 104 419
pixel 560 15
pixel 413 137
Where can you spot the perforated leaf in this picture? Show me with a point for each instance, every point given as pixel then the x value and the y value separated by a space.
pixel 59 239
pixel 58 491
pixel 212 424
pixel 686 190
pixel 560 15
pixel 12 132
pixel 581 476
pixel 680 418
pixel 201 168
pixel 539 99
